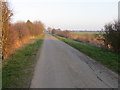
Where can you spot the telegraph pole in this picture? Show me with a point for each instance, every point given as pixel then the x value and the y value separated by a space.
pixel 0 44
pixel 119 11
pixel 0 18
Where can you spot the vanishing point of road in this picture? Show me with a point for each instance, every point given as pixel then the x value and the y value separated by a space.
pixel 61 66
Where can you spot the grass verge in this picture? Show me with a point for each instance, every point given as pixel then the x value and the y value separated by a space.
pixel 108 58
pixel 18 70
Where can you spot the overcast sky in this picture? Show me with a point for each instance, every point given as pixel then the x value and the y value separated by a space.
pixel 66 14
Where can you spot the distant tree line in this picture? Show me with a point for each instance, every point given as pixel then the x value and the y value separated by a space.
pixel 61 33
pixel 15 35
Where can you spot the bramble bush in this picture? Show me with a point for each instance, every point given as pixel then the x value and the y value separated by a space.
pixel 112 35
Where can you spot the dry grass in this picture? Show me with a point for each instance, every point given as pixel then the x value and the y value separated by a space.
pixel 89 37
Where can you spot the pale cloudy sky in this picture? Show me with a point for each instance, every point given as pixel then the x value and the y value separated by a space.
pixel 66 14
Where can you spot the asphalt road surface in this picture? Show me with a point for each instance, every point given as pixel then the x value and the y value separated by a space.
pixel 61 66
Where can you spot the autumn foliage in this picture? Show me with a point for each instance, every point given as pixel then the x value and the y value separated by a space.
pixel 15 35
pixel 6 14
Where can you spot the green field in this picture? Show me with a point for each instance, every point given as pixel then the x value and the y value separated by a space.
pixel 107 58
pixel 88 33
pixel 18 70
